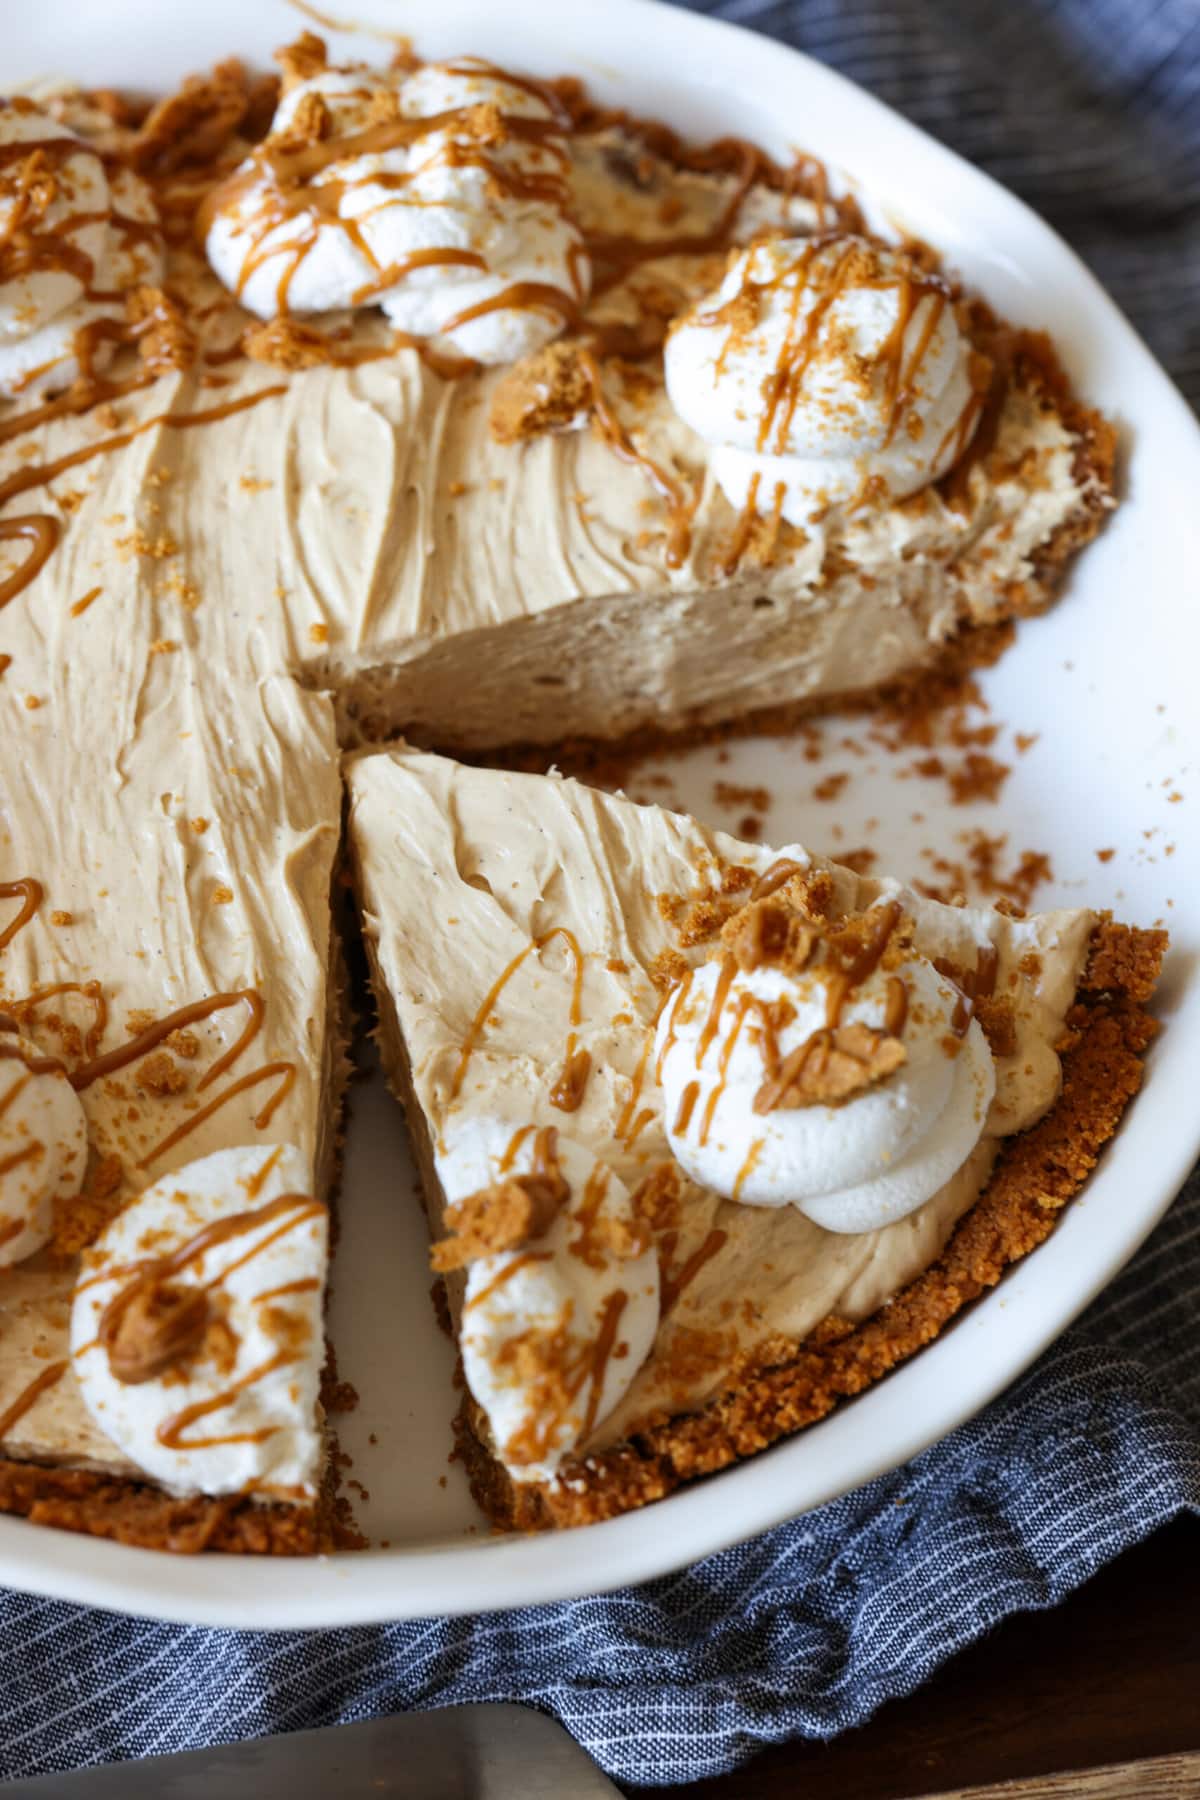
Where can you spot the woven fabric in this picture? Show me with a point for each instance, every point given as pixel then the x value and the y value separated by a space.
pixel 1090 109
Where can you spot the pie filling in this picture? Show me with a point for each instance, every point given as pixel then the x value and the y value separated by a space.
pixel 438 401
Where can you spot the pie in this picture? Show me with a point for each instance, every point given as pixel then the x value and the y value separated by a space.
pixel 437 401
pixel 711 1135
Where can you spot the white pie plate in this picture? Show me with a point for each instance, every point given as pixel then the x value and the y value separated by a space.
pixel 1107 680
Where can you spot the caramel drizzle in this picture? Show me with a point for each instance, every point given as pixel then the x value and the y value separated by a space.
pixel 81 605
pixel 687 1105
pixel 586 1214
pixel 30 1395
pixel 972 986
pixel 170 1432
pixel 286 1071
pixel 41 532
pixel 673 1284
pixel 7 1099
pixel 153 1035
pixel 566 1086
pixel 748 1167
pixel 622 1125
pixel 843 978
pixel 772 879
pixel 680 502
pixel 31 893
pixel 514 1145
pixel 506 1273
pixel 31 1152
pixel 13 1228
pixel 28 246
pixel 720 994
pixel 307 1285
pixel 602 1350
pixel 680 1000
pixel 618 253
pixel 36 1065
pixel 567 1092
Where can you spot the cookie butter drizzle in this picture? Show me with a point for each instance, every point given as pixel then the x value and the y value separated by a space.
pixel 97 1065
pixel 568 1091
pixel 30 893
pixel 292 1210
pixel 30 1395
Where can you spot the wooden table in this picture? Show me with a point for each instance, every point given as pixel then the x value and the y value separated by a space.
pixel 1110 1677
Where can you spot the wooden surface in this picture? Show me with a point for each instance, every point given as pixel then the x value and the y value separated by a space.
pixel 1109 1678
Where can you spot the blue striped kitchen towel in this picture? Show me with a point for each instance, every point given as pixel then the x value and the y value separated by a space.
pixel 1091 110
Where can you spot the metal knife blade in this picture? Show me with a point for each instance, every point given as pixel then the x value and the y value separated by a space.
pixel 457 1753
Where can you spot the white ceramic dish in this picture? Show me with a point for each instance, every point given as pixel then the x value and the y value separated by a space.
pixel 1107 680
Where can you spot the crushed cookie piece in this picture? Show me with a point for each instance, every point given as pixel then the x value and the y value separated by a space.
pixel 222 895
pixel 318 634
pixel 830 786
pixel 830 1068
pixel 667 968
pixel 59 917
pixel 156 1326
pixel 78 1221
pixel 549 391
pixel 195 123
pixel 287 344
pixel 159 1074
pixel 301 60
pixel 769 931
pixel 504 1216
pixel 309 123
pixel 165 341
pixel 998 1019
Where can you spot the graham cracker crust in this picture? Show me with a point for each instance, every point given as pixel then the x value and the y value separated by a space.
pixel 783 1386
pixel 134 1512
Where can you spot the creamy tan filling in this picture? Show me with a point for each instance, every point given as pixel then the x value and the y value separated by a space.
pixel 462 869
pixel 167 889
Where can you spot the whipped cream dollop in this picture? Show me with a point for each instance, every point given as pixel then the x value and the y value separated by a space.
pixel 43 1145
pixel 824 370
pixel 553 1329
pixel 196 1327
pixel 78 233
pixel 439 195
pixel 907 1096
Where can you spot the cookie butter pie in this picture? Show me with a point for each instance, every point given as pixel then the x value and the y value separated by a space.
pixel 433 399
pixel 711 1135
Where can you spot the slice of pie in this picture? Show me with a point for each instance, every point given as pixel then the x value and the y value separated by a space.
pixel 170 1078
pixel 711 1136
